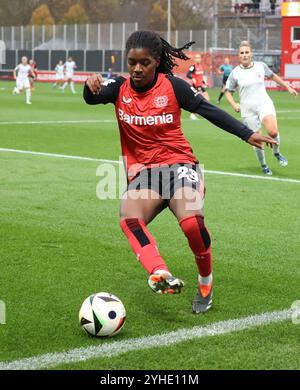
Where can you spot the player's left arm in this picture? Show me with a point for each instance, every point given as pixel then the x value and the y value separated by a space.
pixel 270 74
pixel 283 84
pixel 191 100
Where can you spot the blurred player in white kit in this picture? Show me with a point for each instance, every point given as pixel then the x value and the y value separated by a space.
pixel 21 74
pixel 70 67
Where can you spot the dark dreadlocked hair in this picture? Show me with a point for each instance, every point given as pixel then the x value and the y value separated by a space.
pixel 158 48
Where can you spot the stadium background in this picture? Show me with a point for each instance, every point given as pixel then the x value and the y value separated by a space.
pixel 217 27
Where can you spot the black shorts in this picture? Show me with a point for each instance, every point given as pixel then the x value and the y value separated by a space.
pixel 225 78
pixel 166 180
pixel 201 88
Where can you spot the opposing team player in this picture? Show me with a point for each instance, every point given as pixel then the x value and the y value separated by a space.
pixel 59 74
pixel 33 73
pixel 225 69
pixel 196 74
pixel 21 75
pixel 162 170
pixel 256 107
pixel 70 67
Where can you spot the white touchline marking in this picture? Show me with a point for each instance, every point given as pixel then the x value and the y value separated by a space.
pixel 59 122
pixel 58 155
pixel 119 162
pixel 141 343
pixel 82 121
pixel 251 176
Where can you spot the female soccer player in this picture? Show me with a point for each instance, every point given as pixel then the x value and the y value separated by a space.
pixel 21 75
pixel 59 74
pixel 196 74
pixel 161 168
pixel 70 67
pixel 33 73
pixel 256 106
pixel 225 70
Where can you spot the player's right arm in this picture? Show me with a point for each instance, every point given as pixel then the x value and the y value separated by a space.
pixel 231 85
pixel 98 92
pixel 15 72
pixel 232 102
pixel 191 100
pixel 221 70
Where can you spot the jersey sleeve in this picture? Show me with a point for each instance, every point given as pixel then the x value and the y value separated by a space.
pixel 17 68
pixel 190 72
pixel 108 94
pixel 267 70
pixel 191 100
pixel 231 83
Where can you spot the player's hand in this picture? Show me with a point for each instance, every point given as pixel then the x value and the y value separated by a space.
pixel 292 91
pixel 237 107
pixel 94 82
pixel 258 139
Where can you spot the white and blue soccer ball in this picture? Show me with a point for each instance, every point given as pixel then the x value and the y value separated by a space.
pixel 102 314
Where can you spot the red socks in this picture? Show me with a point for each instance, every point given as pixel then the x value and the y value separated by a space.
pixel 143 244
pixel 199 241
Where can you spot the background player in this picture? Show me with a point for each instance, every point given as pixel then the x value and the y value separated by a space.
pixel 161 168
pixel 224 69
pixel 33 74
pixel 59 74
pixel 196 74
pixel 70 67
pixel 21 75
pixel 256 106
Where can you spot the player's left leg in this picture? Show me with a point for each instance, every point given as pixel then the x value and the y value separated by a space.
pixel 28 95
pixel 27 87
pixel 270 123
pixel 72 88
pixel 187 206
pixel 221 94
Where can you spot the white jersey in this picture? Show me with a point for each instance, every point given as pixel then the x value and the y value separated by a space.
pixel 59 69
pixel 70 67
pixel 23 71
pixel 251 85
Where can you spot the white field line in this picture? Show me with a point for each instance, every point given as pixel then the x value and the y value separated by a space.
pixel 104 120
pixel 58 122
pixel 119 162
pixel 137 344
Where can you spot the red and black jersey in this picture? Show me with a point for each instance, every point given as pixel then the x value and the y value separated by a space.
pixel 149 119
pixel 150 126
pixel 196 73
pixel 33 72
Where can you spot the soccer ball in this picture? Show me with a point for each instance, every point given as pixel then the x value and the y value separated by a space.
pixel 102 314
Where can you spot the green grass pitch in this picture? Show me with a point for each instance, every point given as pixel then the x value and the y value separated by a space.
pixel 60 243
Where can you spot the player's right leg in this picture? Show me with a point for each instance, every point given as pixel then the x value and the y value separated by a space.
pixel 221 93
pixel 138 208
pixel 18 87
